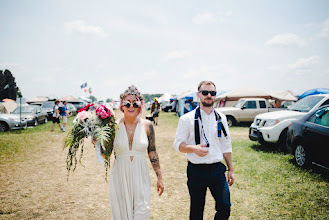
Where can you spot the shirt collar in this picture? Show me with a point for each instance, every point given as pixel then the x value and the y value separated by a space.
pixel 203 113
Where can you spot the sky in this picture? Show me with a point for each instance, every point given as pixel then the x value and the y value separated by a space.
pixel 52 47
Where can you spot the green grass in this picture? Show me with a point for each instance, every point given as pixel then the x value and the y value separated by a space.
pixel 268 184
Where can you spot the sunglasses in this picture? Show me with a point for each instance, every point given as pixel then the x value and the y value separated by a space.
pixel 135 104
pixel 206 92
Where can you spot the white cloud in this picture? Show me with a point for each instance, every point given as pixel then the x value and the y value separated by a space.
pixel 325 29
pixel 207 18
pixel 80 27
pixel 304 63
pixel 209 71
pixel 204 18
pixel 175 55
pixel 286 40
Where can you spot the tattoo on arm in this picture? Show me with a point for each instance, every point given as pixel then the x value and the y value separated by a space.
pixel 153 155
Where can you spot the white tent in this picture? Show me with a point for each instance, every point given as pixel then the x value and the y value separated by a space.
pixel 283 95
pixel 7 107
pixel 38 99
pixel 70 98
pixel 243 92
pixel 165 97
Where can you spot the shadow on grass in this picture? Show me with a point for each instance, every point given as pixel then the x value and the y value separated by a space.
pixel 267 148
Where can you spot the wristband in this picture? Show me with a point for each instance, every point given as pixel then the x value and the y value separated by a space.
pixel 229 170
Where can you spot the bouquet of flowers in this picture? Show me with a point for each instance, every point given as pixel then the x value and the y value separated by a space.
pixel 96 122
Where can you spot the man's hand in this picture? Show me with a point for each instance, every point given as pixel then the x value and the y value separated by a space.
pixel 160 186
pixel 200 150
pixel 230 178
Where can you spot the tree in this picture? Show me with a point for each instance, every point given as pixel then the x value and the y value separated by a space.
pixel 108 100
pixel 150 97
pixel 93 98
pixel 8 87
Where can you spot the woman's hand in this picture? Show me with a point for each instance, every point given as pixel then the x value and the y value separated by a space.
pixel 160 186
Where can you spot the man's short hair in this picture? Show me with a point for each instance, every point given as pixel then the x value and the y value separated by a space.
pixel 206 83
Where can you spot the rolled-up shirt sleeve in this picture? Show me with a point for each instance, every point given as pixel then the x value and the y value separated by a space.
pixel 182 132
pixel 226 143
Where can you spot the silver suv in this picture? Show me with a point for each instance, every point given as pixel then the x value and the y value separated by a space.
pixel 11 122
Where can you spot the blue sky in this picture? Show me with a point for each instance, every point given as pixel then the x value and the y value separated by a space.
pixel 52 47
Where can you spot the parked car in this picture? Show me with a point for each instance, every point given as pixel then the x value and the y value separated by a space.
pixel 32 114
pixel 308 138
pixel 246 109
pixel 272 127
pixel 71 109
pixel 11 122
pixel 168 107
pixel 49 108
pixel 79 105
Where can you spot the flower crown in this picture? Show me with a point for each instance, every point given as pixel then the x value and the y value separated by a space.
pixel 132 90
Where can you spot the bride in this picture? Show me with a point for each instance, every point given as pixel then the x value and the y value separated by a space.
pixel 130 187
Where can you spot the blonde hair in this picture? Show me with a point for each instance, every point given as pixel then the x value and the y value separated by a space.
pixel 206 83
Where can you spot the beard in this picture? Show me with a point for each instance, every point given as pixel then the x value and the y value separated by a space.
pixel 205 104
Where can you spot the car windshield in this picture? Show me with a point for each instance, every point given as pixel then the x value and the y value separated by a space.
pixel 48 105
pixel 25 109
pixel 306 104
pixel 239 103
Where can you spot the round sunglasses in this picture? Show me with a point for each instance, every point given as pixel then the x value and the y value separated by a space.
pixel 206 92
pixel 135 104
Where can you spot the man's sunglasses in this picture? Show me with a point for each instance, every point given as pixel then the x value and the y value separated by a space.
pixel 135 104
pixel 206 92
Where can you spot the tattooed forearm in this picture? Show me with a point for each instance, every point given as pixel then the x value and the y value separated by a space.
pixel 154 158
pixel 153 155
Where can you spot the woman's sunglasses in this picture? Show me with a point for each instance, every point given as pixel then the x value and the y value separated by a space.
pixel 206 92
pixel 135 104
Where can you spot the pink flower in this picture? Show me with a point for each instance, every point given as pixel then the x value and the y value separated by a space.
pixel 103 112
pixel 82 115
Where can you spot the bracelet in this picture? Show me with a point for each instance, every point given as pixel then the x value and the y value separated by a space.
pixel 229 170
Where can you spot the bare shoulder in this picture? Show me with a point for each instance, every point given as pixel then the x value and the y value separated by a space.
pixel 147 125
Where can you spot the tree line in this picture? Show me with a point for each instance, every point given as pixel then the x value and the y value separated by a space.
pixel 8 87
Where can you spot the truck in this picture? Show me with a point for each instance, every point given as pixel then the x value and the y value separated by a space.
pixel 272 127
pixel 246 109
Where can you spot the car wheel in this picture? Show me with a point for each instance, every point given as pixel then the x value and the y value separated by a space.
pixel 35 122
pixel 3 127
pixel 231 121
pixel 301 156
pixel 283 141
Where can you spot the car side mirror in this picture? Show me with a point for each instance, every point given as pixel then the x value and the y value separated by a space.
pixel 243 107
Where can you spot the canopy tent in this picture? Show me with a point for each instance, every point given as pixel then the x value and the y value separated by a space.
pixel 7 107
pixel 314 92
pixel 85 99
pixel 70 98
pixel 243 92
pixel 283 95
pixel 165 97
pixel 38 99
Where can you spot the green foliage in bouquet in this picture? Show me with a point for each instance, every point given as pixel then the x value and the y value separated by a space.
pixel 100 125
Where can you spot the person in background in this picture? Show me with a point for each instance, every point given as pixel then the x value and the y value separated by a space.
pixel 155 110
pixel 64 115
pixel 56 116
pixel 204 137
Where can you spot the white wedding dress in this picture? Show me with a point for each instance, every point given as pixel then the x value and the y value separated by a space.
pixel 130 187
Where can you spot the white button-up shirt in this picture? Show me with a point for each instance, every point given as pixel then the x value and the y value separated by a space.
pixel 218 146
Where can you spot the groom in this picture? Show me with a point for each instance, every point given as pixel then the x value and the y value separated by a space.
pixel 203 136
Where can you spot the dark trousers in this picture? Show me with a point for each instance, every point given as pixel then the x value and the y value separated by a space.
pixel 212 176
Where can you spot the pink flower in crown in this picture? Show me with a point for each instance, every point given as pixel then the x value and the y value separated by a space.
pixel 82 115
pixel 103 112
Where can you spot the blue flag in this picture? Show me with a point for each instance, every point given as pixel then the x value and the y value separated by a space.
pixel 83 85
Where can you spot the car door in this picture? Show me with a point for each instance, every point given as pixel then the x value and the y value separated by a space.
pixel 316 134
pixel 249 111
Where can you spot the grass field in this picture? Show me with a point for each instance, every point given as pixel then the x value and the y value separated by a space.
pixel 33 182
